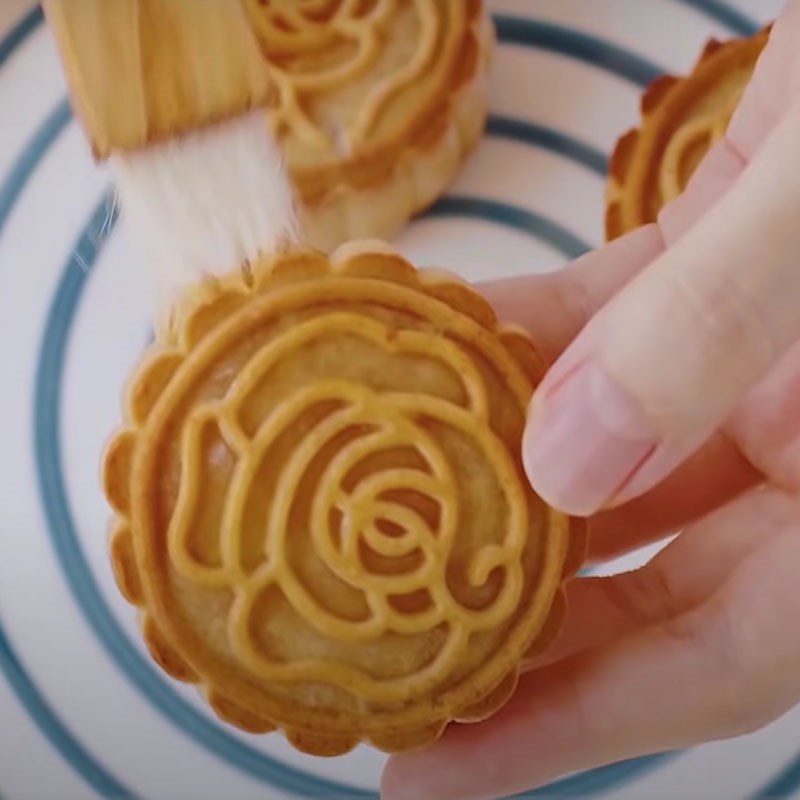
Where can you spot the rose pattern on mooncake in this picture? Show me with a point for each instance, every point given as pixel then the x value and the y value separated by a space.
pixel 321 507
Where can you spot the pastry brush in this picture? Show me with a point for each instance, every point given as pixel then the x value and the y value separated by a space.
pixel 174 95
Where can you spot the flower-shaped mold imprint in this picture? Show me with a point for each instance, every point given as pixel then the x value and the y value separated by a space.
pixel 320 505
pixel 682 118
pixel 378 102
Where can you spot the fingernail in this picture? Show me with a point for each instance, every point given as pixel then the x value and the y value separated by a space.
pixel 586 439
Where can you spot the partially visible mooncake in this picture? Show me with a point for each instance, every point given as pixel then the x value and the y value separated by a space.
pixel 378 102
pixel 320 505
pixel 681 119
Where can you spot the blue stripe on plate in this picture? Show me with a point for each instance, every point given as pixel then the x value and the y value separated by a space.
pixel 19 33
pixel 549 139
pixel 582 46
pixel 722 12
pixel 784 785
pixel 512 217
pixel 29 158
pixel 52 727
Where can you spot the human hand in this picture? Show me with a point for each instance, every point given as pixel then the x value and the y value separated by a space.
pixel 675 406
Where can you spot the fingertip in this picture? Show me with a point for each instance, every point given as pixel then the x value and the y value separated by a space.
pixel 585 440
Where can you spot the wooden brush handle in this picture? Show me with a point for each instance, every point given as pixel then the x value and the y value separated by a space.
pixel 147 70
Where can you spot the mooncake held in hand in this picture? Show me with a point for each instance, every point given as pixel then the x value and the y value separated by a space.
pixel 682 118
pixel 378 102
pixel 320 505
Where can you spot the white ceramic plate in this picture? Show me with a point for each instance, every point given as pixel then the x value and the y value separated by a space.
pixel 83 712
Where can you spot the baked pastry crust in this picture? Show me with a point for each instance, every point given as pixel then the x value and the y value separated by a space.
pixel 320 507
pixel 682 118
pixel 379 101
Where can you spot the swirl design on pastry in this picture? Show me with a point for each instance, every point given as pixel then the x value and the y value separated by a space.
pixel 321 505
pixel 314 48
pixel 387 422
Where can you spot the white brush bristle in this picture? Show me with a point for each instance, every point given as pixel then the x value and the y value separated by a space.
pixel 206 203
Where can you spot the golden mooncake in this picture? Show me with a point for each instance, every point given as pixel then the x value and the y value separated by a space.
pixel 681 119
pixel 320 506
pixel 378 102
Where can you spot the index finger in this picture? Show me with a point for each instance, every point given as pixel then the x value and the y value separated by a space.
pixel 555 307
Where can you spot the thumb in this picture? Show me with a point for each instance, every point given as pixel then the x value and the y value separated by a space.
pixel 660 367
